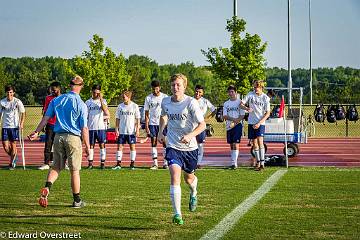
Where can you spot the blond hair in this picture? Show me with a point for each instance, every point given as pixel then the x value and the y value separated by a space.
pixel 259 83
pixel 179 76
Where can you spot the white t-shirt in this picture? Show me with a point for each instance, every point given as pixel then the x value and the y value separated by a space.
pixel 153 105
pixel 232 109
pixel 183 117
pixel 10 112
pixel 95 114
pixel 127 114
pixel 260 104
pixel 205 104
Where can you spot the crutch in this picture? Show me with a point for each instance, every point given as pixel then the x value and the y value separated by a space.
pixel 21 137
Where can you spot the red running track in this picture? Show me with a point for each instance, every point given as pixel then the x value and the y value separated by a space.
pixel 338 152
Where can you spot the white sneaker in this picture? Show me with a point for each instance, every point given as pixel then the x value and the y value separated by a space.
pixel 154 167
pixel 66 166
pixel 44 167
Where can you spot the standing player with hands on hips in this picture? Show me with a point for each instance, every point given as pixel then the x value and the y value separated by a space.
pixel 257 103
pixel 184 120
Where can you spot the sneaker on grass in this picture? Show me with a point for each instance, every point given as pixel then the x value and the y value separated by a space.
pixel 177 219
pixel 192 203
pixel 79 204
pixel 43 200
pixel 44 167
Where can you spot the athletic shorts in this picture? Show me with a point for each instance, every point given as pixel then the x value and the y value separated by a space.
pixel 10 134
pixel 255 133
pixel 97 135
pixel 234 135
pixel 154 131
pixel 67 147
pixel 187 160
pixel 125 138
pixel 201 137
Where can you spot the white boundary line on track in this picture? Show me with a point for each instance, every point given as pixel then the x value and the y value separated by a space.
pixel 232 218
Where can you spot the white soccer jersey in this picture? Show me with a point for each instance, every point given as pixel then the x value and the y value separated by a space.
pixel 260 104
pixel 183 117
pixel 95 114
pixel 127 114
pixel 232 109
pixel 205 105
pixel 10 112
pixel 153 105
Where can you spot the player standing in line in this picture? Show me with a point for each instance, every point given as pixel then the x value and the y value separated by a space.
pixel 204 106
pixel 152 107
pixel 184 120
pixel 233 115
pixel 97 123
pixel 55 91
pixel 13 116
pixel 127 128
pixel 259 111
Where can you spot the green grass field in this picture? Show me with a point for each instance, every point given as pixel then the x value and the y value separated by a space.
pixel 307 203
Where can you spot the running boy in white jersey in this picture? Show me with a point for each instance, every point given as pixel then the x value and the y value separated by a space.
pixel 13 116
pixel 127 128
pixel 98 113
pixel 233 115
pixel 152 107
pixel 259 110
pixel 184 121
pixel 204 106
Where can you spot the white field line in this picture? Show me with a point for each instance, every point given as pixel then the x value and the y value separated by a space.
pixel 232 218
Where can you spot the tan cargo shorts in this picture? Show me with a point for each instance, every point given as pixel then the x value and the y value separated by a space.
pixel 67 148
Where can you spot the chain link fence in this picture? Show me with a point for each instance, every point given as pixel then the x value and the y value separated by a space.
pixel 342 128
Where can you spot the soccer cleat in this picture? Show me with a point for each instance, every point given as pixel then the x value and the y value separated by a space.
pixel 132 165
pixel 79 204
pixel 177 219
pixel 117 167
pixel 102 166
pixel 13 163
pixel 44 167
pixel 90 166
pixel 192 203
pixel 43 200
pixel 198 166
pixel 259 168
pixel 233 167
pixel 165 166
pixel 154 167
pixel 66 166
pixel 10 167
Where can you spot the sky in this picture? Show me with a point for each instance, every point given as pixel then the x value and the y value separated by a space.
pixel 175 31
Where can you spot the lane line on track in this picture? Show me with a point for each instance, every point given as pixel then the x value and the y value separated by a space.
pixel 232 218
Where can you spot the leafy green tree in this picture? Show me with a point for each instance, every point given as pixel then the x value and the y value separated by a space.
pixel 101 66
pixel 240 64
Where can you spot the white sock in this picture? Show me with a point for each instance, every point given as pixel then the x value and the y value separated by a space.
pixel 91 155
pixel 234 157
pixel 132 155
pixel 119 156
pixel 262 154
pixel 102 154
pixel 175 195
pixel 257 155
pixel 201 152
pixel 193 187
pixel 154 154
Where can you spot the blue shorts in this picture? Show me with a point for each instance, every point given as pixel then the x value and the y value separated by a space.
pixel 255 133
pixel 10 134
pixel 187 160
pixel 234 135
pixel 99 135
pixel 124 138
pixel 154 131
pixel 201 137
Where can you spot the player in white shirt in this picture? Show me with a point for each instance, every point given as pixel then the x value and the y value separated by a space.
pixel 127 128
pixel 13 116
pixel 257 103
pixel 98 115
pixel 152 107
pixel 233 115
pixel 184 120
pixel 204 106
